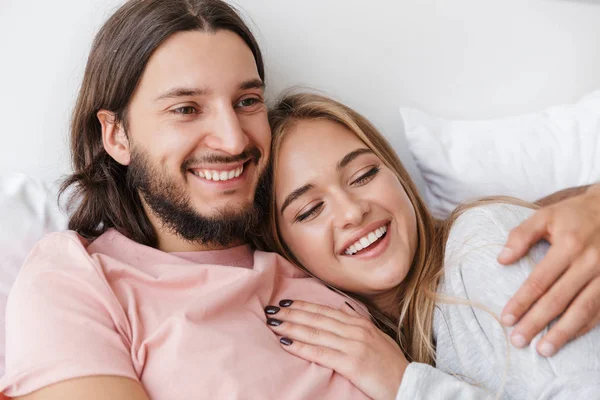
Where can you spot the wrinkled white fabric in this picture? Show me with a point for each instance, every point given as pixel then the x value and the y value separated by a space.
pixel 474 357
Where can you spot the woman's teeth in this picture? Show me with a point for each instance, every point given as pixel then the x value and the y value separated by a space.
pixel 366 241
pixel 219 175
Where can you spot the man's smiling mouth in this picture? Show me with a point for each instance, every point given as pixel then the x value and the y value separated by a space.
pixel 213 175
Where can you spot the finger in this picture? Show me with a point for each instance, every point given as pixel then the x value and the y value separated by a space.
pixel 312 335
pixel 581 316
pixel 556 301
pixel 521 238
pixel 330 312
pixel 351 308
pixel 319 322
pixel 554 263
pixel 589 326
pixel 323 356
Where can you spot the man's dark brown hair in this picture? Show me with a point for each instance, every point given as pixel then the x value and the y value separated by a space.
pixel 101 196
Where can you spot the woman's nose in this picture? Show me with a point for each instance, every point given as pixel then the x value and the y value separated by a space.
pixel 350 210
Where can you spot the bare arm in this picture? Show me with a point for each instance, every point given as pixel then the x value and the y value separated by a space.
pixel 91 388
pixel 561 195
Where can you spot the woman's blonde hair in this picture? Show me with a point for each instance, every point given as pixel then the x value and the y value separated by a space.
pixel 414 331
pixel 416 295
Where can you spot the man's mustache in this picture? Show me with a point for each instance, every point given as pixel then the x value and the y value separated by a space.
pixel 251 153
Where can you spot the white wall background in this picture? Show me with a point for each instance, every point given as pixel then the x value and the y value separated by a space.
pixel 459 58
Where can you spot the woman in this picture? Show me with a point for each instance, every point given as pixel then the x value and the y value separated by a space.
pixel 345 209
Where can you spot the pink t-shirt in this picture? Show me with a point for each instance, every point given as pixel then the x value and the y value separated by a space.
pixel 186 325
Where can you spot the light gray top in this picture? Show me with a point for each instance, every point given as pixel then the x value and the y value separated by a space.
pixel 473 353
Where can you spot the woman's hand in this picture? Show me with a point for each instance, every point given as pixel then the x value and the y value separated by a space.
pixel 343 341
pixel 566 280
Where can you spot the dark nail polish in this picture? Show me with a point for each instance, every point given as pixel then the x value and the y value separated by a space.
pixel 286 303
pixel 274 322
pixel 271 310
pixel 286 341
pixel 348 304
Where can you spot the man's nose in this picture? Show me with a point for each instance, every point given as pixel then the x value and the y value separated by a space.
pixel 226 134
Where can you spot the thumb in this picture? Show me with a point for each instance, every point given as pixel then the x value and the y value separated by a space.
pixel 353 308
pixel 521 238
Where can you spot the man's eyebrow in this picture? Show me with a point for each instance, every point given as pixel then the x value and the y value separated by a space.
pixel 182 92
pixel 252 84
pixel 191 92
pixel 348 158
pixel 295 194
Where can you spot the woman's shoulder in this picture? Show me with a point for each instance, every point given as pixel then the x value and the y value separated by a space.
pixel 476 239
pixel 494 218
pixel 474 289
pixel 483 230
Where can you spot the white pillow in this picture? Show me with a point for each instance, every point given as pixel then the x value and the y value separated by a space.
pixel 28 210
pixel 528 156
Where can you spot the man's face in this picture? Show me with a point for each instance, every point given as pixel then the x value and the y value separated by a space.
pixel 199 136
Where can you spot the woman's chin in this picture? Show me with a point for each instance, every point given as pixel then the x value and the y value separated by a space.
pixel 386 283
pixel 371 289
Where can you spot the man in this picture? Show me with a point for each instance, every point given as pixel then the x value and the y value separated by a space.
pixel 170 145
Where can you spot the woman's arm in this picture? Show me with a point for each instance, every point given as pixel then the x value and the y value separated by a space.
pixel 352 346
pixel 91 388
pixel 567 280
pixel 422 381
pixel 477 342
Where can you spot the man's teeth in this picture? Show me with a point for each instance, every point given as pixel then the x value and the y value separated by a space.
pixel 366 241
pixel 219 175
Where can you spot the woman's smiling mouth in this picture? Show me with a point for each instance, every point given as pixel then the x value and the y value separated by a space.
pixel 363 240
pixel 366 241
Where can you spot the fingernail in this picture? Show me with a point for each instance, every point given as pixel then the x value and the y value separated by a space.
pixel 508 320
pixel 518 341
pixel 286 341
pixel 505 253
pixel 286 303
pixel 271 310
pixel 348 304
pixel 546 349
pixel 274 322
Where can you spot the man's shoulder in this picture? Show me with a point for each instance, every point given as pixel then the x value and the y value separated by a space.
pixel 57 250
pixel 284 267
pixel 61 242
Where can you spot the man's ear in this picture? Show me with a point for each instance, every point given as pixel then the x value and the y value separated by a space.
pixel 114 138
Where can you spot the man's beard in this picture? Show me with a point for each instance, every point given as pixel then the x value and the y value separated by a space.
pixel 169 202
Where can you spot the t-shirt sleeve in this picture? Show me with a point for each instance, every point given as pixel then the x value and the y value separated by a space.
pixel 63 320
pixel 479 344
pixel 422 381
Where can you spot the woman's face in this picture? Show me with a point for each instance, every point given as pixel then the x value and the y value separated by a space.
pixel 341 211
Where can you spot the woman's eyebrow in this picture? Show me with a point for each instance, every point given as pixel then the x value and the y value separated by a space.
pixel 348 158
pixel 295 194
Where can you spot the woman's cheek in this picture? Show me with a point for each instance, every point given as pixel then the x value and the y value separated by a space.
pixel 299 242
pixel 312 251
